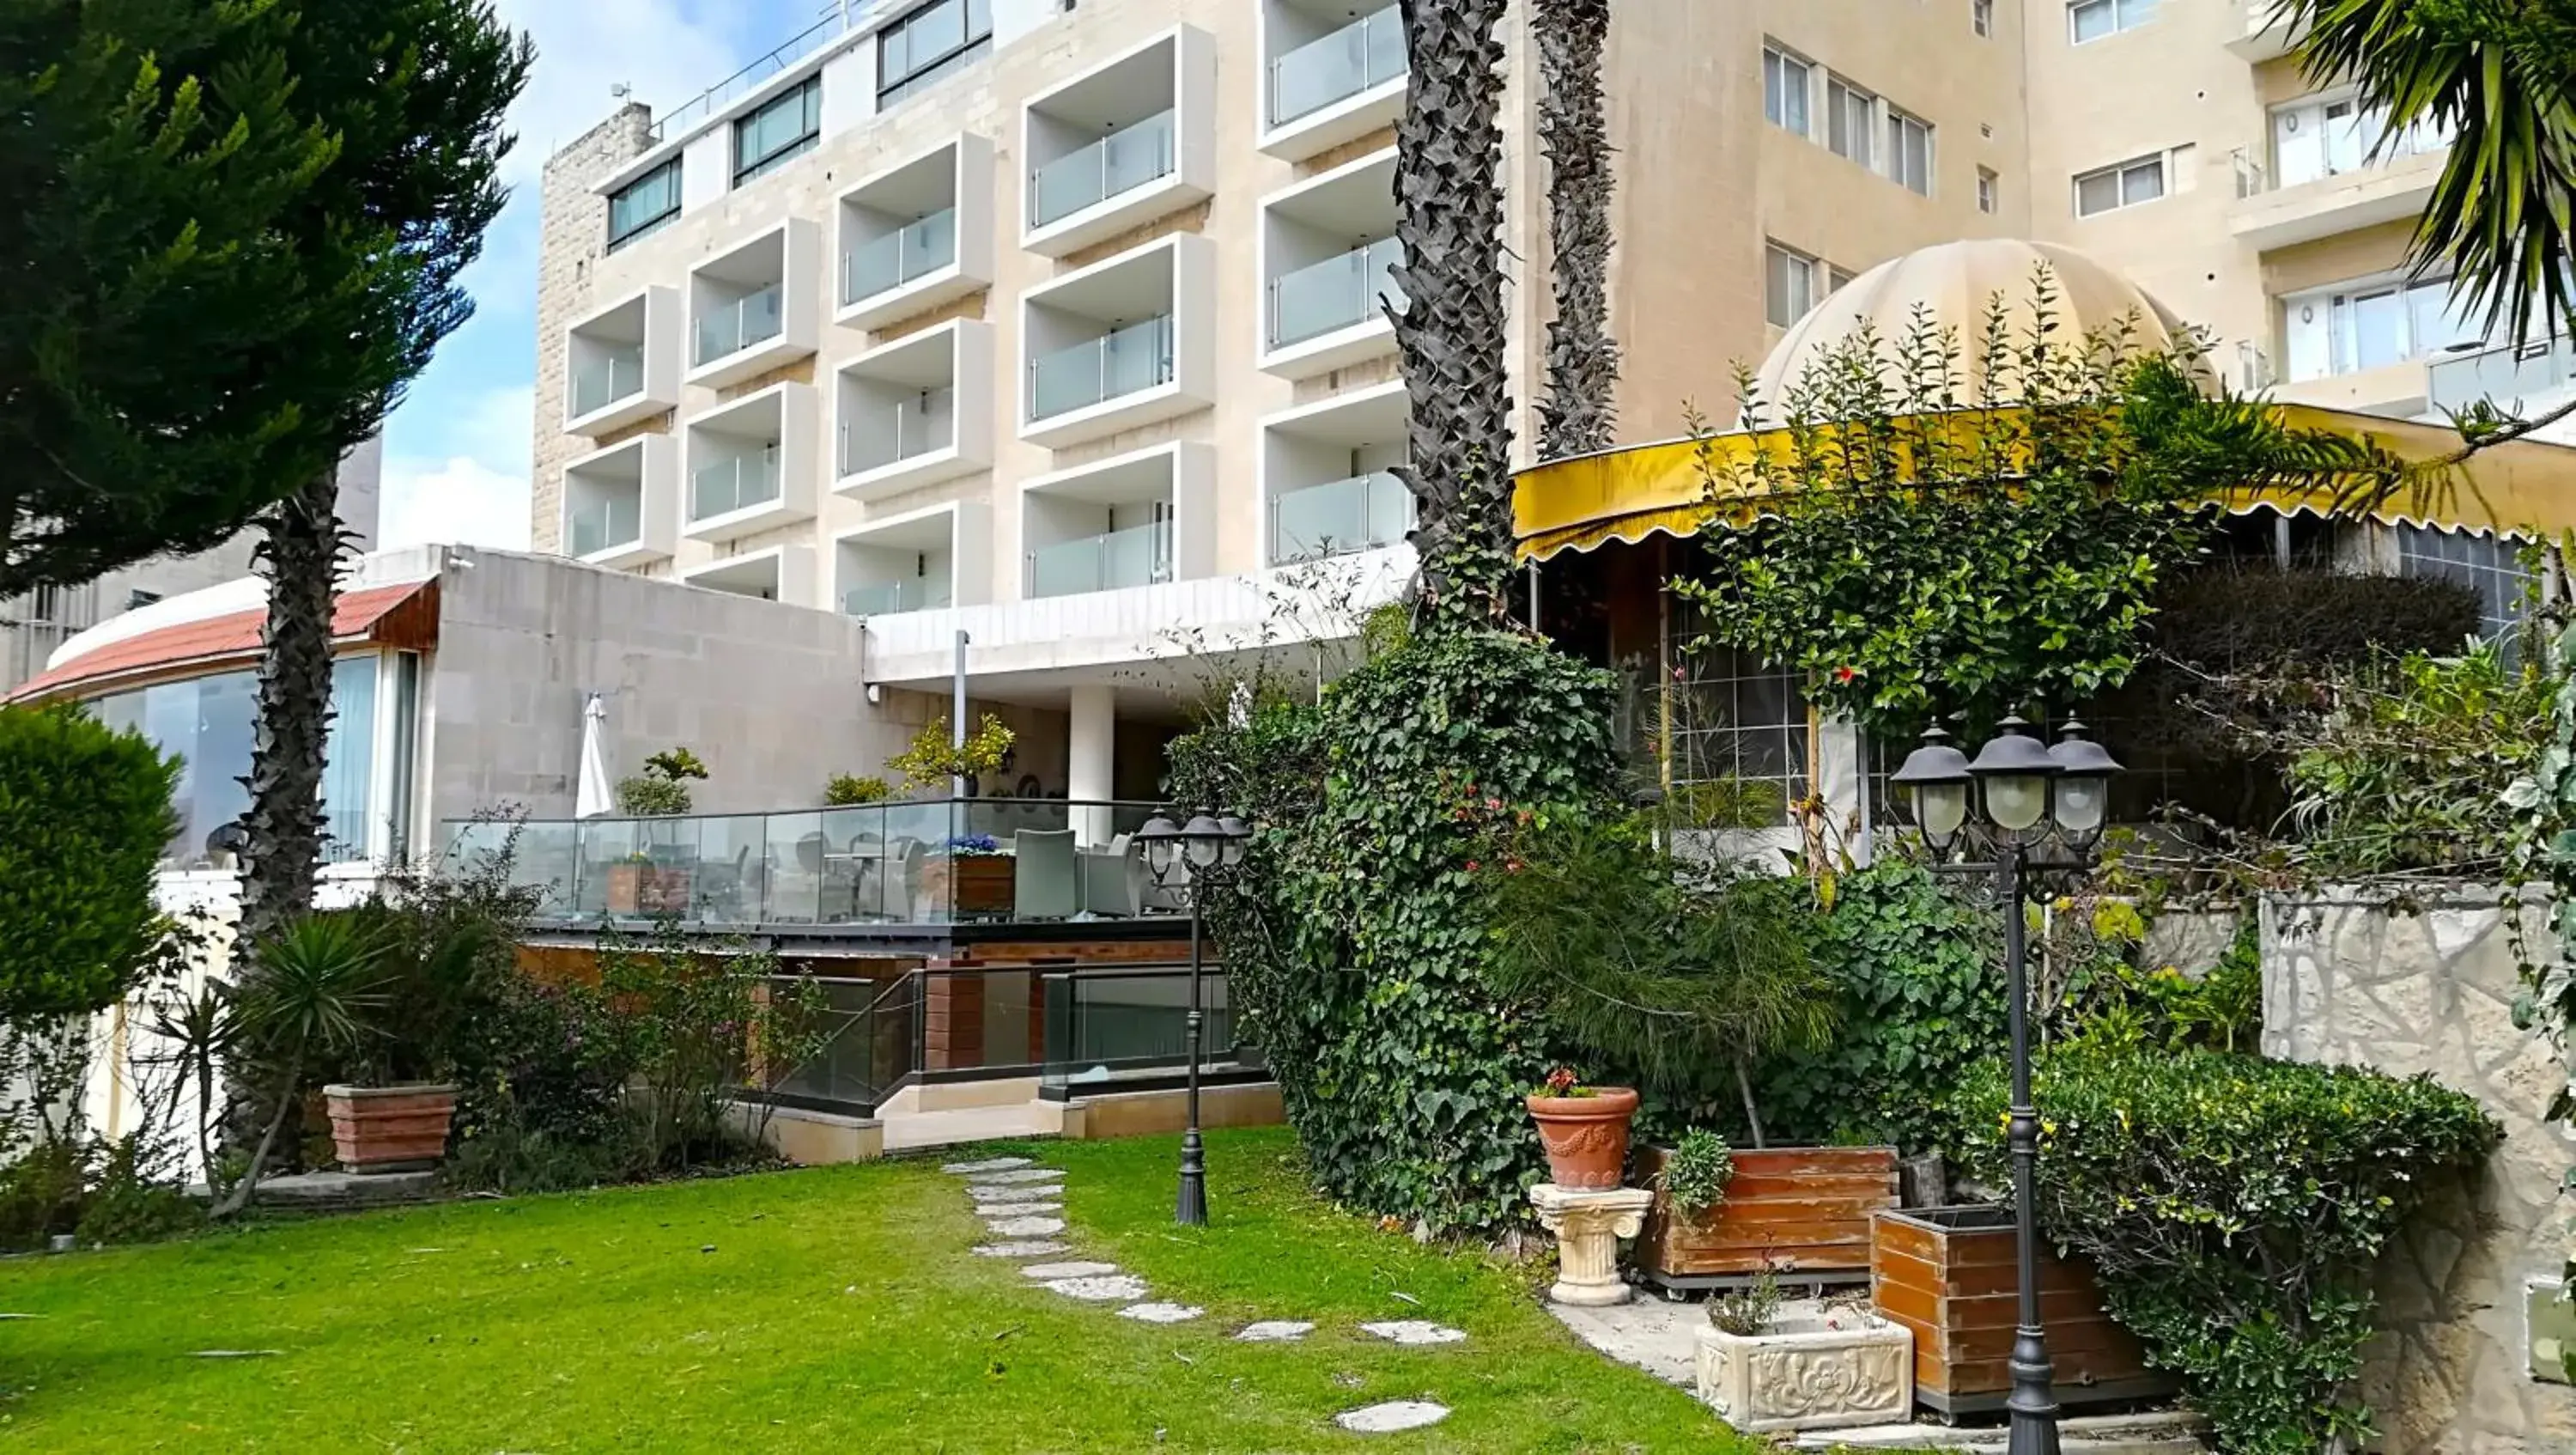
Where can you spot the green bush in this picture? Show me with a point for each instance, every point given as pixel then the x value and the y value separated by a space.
pixel 2236 1208
pixel 84 819
pixel 846 790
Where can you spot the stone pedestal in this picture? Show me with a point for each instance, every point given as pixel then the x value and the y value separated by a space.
pixel 1588 1226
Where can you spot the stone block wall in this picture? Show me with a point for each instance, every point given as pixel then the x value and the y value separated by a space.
pixel 2426 985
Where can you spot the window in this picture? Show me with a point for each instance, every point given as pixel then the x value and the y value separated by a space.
pixel 1981 16
pixel 644 205
pixel 1785 87
pixel 1847 120
pixel 1909 152
pixel 2490 567
pixel 2393 323
pixel 2126 185
pixel 2321 137
pixel 138 598
pixel 2093 19
pixel 1836 280
pixel 1739 727
pixel 1788 284
pixel 934 42
pixel 1987 194
pixel 778 133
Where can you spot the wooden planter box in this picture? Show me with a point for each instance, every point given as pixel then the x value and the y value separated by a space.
pixel 626 883
pixel 667 891
pixel 1801 1211
pixel 970 886
pixel 389 1128
pixel 1948 1274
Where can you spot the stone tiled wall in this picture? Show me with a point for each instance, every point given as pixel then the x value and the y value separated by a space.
pixel 2350 978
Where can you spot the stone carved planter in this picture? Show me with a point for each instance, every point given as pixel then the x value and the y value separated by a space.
pixel 1810 1372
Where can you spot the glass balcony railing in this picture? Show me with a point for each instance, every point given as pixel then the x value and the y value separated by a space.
pixel 880 437
pixel 1365 53
pixel 735 484
pixel 1125 361
pixel 1337 293
pixel 730 328
pixel 881 265
pixel 1119 162
pixel 1358 514
pixel 894 598
pixel 605 378
pixel 1137 556
pixel 2515 378
pixel 616 520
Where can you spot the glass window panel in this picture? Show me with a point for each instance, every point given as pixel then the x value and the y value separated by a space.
pixel 349 759
pixel 2091 20
pixel 2099 192
pixel 2144 182
pixel 2378 330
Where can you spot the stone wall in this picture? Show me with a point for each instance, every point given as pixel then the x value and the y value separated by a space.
pixel 2427 986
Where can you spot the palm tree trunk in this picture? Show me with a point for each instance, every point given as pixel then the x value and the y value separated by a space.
pixel 1578 415
pixel 299 556
pixel 1450 333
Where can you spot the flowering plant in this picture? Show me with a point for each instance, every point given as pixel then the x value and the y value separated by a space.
pixel 966 846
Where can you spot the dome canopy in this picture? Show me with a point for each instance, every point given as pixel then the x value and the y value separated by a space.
pixel 1957 282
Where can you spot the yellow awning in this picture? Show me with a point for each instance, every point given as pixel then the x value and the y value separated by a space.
pixel 2525 487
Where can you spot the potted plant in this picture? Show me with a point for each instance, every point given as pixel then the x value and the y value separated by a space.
pixel 847 790
pixel 1764 1370
pixel 627 879
pixel 636 884
pixel 932 761
pixel 971 875
pixel 1584 1130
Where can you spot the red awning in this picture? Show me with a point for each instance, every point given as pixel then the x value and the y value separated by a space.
pixel 383 616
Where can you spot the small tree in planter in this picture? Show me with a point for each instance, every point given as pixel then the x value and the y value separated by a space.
pixel 933 761
pixel 660 791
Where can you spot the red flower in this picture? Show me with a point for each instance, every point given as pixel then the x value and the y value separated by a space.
pixel 1844 674
pixel 1473 866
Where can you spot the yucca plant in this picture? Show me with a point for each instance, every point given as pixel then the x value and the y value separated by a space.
pixel 315 990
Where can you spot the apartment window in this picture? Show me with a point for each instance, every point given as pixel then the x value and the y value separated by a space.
pixel 1981 16
pixel 1988 199
pixel 2111 188
pixel 1909 152
pixel 2093 19
pixel 1785 88
pixel 2370 328
pixel 934 42
pixel 2490 567
pixel 778 133
pixel 1836 280
pixel 1788 284
pixel 1739 735
pixel 644 205
pixel 1848 111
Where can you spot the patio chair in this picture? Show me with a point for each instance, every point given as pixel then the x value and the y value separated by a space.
pixel 1108 891
pixel 1046 876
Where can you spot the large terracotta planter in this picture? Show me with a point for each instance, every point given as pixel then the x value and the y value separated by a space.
pixel 1586 1137
pixel 1817 1371
pixel 389 1128
pixel 1802 1212
pixel 667 891
pixel 626 883
pixel 1949 1275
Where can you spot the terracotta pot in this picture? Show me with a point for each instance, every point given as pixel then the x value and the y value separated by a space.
pixel 1586 1137
pixel 626 887
pixel 390 1128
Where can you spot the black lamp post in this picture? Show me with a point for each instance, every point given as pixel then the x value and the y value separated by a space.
pixel 1184 858
pixel 2029 793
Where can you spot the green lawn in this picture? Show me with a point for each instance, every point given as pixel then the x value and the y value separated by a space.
pixel 836 1309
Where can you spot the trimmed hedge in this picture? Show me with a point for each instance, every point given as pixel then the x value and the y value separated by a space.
pixel 84 818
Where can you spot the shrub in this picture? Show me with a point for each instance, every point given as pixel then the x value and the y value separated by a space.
pixel 2235 1208
pixel 662 789
pixel 1696 1173
pixel 84 819
pixel 848 790
pixel 931 760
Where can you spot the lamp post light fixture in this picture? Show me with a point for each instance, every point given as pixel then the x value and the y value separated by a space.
pixel 1185 859
pixel 2029 793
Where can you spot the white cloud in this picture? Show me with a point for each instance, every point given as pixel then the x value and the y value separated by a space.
pixel 477 497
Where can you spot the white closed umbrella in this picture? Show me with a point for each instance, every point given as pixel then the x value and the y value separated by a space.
pixel 592 798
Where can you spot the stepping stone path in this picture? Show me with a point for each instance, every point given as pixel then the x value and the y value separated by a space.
pixel 1020 1201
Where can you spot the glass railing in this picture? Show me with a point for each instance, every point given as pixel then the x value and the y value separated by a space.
pixel 1119 162
pixel 605 378
pixel 1358 514
pixel 1334 294
pixel 1127 361
pixel 894 598
pixel 1362 54
pixel 912 427
pixel 617 520
pixel 2513 378
pixel 734 484
pixel 918 862
pixel 1137 556
pixel 1107 1027
pixel 883 264
pixel 732 327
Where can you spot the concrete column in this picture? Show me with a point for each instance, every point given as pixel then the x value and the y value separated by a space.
pixel 1091 751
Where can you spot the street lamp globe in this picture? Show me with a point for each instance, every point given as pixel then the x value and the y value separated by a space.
pixel 1161 840
pixel 1935 778
pixel 1238 839
pixel 2084 772
pixel 1205 841
pixel 2014 770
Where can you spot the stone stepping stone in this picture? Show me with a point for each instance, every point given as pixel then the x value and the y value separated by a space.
pixel 1020 1175
pixel 1025 1227
pixel 1047 1271
pixel 1017 1209
pixel 1115 1288
pixel 1413 1333
pixel 1021 1192
pixel 1160 1313
pixel 1275 1331
pixel 1023 1249
pixel 989 1164
pixel 1386 1419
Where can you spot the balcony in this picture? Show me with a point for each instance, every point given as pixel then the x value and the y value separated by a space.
pixel 2518 379
pixel 1130 142
pixel 916 412
pixel 1135 556
pixel 2264 38
pixel 751 464
pixel 778 573
pixel 1328 255
pixel 2268 216
pixel 1135 520
pixel 618 503
pixel 621 363
pixel 753 310
pixel 929 560
pixel 1327 480
pixel 1123 343
pixel 917 236
pixel 1328 79
pixel 1363 513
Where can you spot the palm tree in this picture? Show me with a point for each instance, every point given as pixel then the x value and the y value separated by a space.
pixel 1578 415
pixel 1449 220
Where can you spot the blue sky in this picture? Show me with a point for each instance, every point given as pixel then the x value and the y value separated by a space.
pixel 456 453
